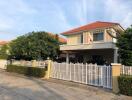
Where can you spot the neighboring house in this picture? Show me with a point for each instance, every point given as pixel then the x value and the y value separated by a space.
pixel 3 43
pixel 92 43
pixel 60 39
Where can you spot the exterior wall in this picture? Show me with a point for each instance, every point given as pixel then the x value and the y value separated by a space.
pixel 88 37
pixel 73 39
pixel 107 37
pixel 97 45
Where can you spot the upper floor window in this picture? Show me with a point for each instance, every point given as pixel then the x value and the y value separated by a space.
pixel 81 38
pixel 98 36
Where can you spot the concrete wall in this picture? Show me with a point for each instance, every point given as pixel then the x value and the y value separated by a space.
pixel 116 69
pixel 94 45
pixel 3 64
pixel 107 37
pixel 73 39
pixel 87 37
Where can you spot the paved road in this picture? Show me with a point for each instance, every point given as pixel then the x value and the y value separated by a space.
pixel 17 87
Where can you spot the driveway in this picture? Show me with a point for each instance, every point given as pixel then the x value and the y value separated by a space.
pixel 18 87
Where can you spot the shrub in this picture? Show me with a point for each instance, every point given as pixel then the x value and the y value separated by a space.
pixel 34 71
pixel 30 71
pixel 17 69
pixel 125 85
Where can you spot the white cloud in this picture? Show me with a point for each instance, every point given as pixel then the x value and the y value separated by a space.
pixel 113 10
pixel 82 10
pixel 119 11
pixel 54 17
pixel 11 12
pixel 85 11
pixel 128 20
pixel 19 16
pixel 15 6
pixel 61 17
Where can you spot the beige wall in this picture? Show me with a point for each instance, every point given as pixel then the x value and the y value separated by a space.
pixel 3 64
pixel 73 39
pixel 87 37
pixel 116 69
pixel 107 37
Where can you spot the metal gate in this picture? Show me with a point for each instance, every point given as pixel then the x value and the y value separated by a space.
pixel 91 74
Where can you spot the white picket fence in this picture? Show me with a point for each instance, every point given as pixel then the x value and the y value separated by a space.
pixel 91 74
pixel 126 70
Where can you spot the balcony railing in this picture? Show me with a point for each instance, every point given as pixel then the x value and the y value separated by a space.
pixel 93 45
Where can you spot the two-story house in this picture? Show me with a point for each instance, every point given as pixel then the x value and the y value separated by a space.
pixel 92 43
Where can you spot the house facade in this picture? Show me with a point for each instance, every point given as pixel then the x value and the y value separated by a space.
pixel 92 43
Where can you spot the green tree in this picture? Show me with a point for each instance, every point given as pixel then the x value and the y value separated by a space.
pixel 4 51
pixel 34 45
pixel 124 44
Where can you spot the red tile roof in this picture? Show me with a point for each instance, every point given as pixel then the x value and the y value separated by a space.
pixel 3 42
pixel 62 40
pixel 91 26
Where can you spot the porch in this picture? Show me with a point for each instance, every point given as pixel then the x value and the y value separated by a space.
pixel 98 56
pixel 96 52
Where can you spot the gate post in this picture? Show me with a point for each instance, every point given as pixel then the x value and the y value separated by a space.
pixel 47 73
pixel 116 68
pixel 34 63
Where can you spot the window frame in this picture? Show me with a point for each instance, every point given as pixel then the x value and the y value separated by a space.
pixel 81 38
pixel 97 37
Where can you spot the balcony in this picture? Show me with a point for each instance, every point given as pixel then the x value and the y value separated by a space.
pixel 94 45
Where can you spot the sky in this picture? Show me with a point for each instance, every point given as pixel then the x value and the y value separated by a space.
pixel 18 17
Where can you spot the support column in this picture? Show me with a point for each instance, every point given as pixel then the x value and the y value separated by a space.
pixel 48 71
pixel 116 55
pixel 34 63
pixel 67 57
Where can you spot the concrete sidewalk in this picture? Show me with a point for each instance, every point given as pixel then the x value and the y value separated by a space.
pixel 18 87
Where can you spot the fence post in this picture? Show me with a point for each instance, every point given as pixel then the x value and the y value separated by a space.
pixel 115 73
pixel 47 73
pixel 34 62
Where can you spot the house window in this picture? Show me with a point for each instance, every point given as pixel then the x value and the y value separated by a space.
pixel 98 36
pixel 81 39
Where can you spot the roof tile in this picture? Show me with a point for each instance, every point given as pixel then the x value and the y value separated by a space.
pixel 94 25
pixel 3 42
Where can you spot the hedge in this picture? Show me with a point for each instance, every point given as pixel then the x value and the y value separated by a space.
pixel 29 71
pixel 125 85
